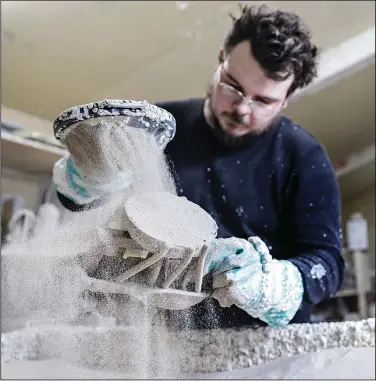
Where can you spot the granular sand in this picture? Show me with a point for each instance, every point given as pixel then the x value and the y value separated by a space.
pixel 201 352
pixel 42 279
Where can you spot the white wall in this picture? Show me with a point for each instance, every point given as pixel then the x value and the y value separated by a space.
pixel 29 122
pixel 28 188
pixel 30 191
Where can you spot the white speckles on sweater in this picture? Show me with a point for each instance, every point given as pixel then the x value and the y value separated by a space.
pixel 318 271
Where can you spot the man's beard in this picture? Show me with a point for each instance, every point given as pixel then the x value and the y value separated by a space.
pixel 227 138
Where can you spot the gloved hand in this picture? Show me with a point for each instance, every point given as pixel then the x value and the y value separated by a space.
pixel 69 181
pixel 245 274
pixel 109 144
pixel 98 160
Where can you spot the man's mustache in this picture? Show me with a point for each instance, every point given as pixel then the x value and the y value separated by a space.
pixel 235 117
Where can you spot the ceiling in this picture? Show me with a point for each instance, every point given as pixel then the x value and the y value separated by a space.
pixel 61 53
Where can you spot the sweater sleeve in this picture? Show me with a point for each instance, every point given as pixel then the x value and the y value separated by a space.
pixel 74 207
pixel 316 226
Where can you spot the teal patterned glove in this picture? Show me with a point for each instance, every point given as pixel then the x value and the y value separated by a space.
pixel 69 181
pixel 245 274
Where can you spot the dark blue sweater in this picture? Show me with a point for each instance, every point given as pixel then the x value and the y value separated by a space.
pixel 281 187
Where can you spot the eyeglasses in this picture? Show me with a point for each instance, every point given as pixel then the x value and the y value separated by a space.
pixel 236 97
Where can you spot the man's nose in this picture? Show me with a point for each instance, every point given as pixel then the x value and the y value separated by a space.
pixel 243 108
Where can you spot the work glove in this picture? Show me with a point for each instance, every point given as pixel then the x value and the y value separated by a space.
pixel 69 180
pixel 109 144
pixel 97 163
pixel 245 274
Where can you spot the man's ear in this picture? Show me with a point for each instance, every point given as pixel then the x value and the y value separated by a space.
pixel 221 55
pixel 285 104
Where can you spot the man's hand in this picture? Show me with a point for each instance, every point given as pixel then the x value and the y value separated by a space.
pixel 245 274
pixel 101 151
pixel 98 161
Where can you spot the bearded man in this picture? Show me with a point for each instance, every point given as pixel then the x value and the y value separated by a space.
pixel 266 181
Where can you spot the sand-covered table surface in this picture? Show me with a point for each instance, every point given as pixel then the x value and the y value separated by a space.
pixel 341 363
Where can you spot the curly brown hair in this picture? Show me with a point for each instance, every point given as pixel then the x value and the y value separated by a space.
pixel 280 42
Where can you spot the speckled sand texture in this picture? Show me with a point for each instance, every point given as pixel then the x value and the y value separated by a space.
pixel 340 363
pixel 225 350
pixel 330 364
pixel 116 348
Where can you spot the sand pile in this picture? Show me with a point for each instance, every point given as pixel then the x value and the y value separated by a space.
pixel 228 349
pixel 205 352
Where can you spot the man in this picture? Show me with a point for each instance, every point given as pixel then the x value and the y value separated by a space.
pixel 254 170
pixel 266 181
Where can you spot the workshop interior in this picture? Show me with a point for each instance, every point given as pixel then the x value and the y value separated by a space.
pixel 68 70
